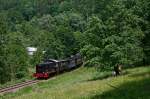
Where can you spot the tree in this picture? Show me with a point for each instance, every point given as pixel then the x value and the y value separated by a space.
pixel 17 59
pixel 118 38
pixel 13 54
pixel 4 76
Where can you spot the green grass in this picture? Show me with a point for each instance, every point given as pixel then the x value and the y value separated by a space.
pixel 86 83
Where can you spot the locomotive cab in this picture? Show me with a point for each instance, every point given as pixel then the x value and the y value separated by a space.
pixel 44 70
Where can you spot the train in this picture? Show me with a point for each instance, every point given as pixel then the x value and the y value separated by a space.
pixel 51 66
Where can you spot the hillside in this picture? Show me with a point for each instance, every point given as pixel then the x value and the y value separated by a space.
pixel 86 83
pixel 105 32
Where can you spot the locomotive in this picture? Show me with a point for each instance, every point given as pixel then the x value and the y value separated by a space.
pixel 50 66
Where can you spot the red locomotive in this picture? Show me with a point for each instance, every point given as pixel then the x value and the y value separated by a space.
pixel 51 67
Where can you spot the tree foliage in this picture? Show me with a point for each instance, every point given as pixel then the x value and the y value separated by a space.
pixel 106 32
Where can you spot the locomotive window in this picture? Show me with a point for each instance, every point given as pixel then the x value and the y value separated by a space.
pixel 39 69
pixel 45 67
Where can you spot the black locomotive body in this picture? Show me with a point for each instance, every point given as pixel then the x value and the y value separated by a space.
pixel 51 66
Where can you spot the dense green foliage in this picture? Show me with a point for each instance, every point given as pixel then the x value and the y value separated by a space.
pixel 106 32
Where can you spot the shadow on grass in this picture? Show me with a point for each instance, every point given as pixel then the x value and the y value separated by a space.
pixel 140 74
pixel 106 75
pixel 131 90
pixel 100 77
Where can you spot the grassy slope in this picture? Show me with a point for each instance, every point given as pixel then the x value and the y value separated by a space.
pixel 80 84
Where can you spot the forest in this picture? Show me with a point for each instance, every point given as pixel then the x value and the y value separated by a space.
pixel 105 32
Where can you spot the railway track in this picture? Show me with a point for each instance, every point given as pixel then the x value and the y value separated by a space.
pixel 15 87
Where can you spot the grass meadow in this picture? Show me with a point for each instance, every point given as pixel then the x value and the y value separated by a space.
pixel 87 83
